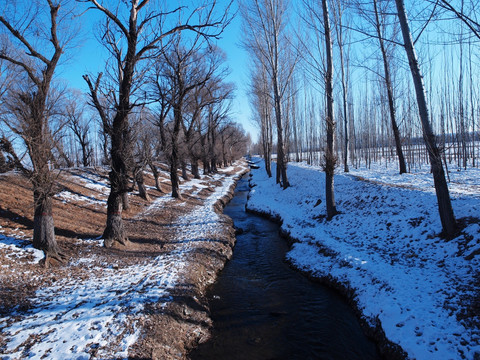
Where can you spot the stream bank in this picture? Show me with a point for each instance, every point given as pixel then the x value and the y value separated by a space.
pixel 262 309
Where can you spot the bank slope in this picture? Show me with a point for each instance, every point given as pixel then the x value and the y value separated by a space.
pixel 384 246
pixel 100 311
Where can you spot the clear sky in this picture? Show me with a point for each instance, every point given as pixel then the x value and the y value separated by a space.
pixel 90 57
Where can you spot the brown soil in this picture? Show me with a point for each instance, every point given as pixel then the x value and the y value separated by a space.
pixel 167 333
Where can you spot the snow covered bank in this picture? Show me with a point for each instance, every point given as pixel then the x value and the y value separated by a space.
pixel 385 246
pixel 98 315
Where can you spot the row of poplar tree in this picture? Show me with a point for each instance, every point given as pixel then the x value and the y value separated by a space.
pixel 363 55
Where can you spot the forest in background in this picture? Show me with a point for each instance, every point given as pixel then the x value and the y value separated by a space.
pixel 446 41
pixel 362 80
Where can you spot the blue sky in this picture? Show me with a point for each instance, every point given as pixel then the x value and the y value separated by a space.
pixel 90 57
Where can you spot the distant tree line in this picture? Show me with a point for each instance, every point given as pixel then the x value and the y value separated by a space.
pixel 347 82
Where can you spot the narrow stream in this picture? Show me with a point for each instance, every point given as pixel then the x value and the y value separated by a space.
pixel 262 309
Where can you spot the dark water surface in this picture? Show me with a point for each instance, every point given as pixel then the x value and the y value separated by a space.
pixel 262 309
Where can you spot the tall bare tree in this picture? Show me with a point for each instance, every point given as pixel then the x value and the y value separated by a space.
pixel 132 32
pixel 78 125
pixel 199 100
pixel 341 32
pixel 267 39
pixel 216 112
pixel 330 158
pixel 379 25
pixel 188 67
pixel 262 108
pixel 445 209
pixel 319 60
pixel 33 44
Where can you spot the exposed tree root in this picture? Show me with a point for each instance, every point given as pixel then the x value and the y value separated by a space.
pixel 53 259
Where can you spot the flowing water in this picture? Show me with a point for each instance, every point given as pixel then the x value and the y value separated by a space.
pixel 262 309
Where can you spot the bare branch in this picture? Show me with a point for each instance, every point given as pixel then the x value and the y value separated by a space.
pixel 464 18
pixel 6 145
pixel 24 66
pixel 111 16
pixel 24 41
pixel 96 102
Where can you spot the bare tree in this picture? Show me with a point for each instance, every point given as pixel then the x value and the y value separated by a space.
pixel 143 154
pixel 388 83
pixel 188 67
pixel 132 32
pixel 198 102
pixel 267 39
pixel 445 209
pixel 341 32
pixel 262 107
pixel 319 21
pixel 330 158
pixel 33 46
pixel 78 125
pixel 233 142
pixel 216 113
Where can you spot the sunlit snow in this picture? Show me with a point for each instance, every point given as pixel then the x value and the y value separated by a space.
pixel 384 244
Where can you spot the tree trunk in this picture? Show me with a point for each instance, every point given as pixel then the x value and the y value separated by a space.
pixel 43 227
pixel 391 99
pixel 268 163
pixel 85 154
pixel 281 158
pixel 118 198
pixel 184 170
pixel 156 175
pixel 213 155
pixel 195 172
pixel 339 28
pixel 266 148
pixel 173 171
pixel 175 155
pixel 445 209
pixel 125 201
pixel 330 158
pixel 206 166
pixel 277 168
pixel 225 161
pixel 174 179
pixel 142 190
pixel 4 167
pixel 114 230
pixel 345 119
pixel 213 165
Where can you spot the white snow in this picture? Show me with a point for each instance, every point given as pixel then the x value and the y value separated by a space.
pixel 18 248
pixel 67 196
pixel 384 244
pixel 75 318
pixel 194 186
pixel 90 180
